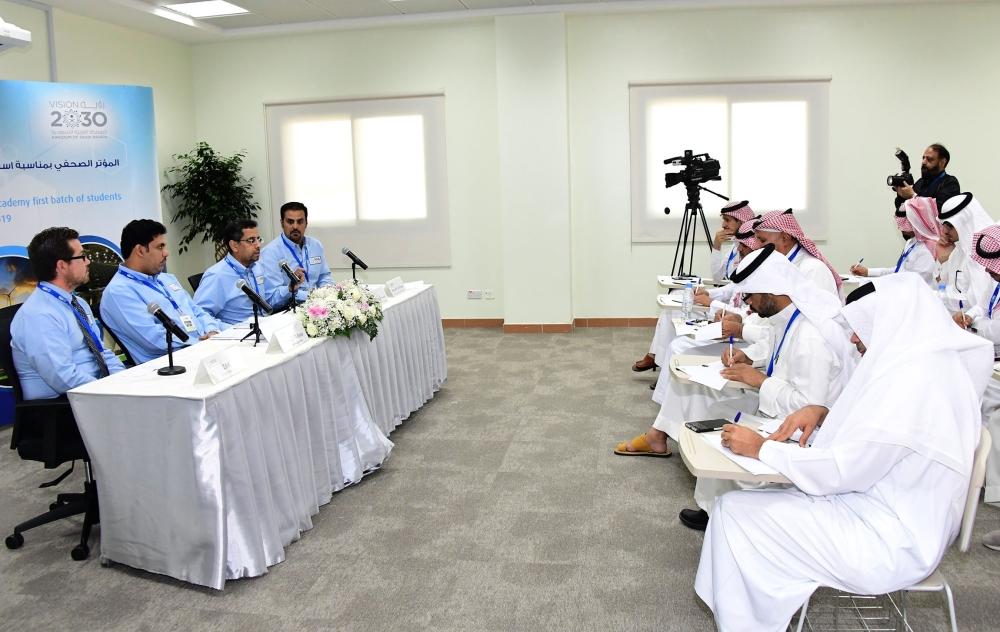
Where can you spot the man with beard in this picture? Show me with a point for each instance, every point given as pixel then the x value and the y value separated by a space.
pixel 55 339
pixel 141 280
pixel 304 255
pixel 218 293
pixel 879 495
pixel 914 258
pixel 934 182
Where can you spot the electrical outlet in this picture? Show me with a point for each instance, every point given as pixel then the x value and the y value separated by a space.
pixel 488 295
pixel 474 294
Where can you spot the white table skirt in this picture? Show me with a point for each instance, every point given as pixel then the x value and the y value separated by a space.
pixel 206 483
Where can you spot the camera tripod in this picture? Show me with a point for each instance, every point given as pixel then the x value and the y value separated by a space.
pixel 688 232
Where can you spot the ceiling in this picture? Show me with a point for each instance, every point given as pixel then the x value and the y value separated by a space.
pixel 272 17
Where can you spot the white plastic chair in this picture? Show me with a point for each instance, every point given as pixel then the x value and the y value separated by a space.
pixel 936 582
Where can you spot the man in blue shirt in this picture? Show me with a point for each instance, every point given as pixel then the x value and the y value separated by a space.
pixel 303 254
pixel 56 340
pixel 140 281
pixel 217 294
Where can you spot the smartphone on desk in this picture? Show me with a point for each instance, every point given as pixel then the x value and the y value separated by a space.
pixel 707 425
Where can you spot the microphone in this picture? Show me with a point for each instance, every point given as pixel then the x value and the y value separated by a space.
pixel 288 272
pixel 254 297
pixel 353 257
pixel 167 322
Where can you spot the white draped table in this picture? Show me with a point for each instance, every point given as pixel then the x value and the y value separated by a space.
pixel 206 482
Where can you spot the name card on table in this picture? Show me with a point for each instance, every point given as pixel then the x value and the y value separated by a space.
pixel 218 367
pixel 394 287
pixel 286 338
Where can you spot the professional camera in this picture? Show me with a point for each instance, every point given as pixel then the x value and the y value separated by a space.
pixel 904 176
pixel 698 168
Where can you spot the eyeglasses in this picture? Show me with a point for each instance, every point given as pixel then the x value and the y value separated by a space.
pixel 84 256
pixel 253 240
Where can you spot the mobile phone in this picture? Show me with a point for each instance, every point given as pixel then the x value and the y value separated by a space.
pixel 708 425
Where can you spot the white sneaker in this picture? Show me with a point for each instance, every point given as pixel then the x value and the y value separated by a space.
pixel 992 540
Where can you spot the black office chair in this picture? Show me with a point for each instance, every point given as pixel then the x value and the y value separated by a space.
pixel 45 431
pixel 195 281
pixel 129 361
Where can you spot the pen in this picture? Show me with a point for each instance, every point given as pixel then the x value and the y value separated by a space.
pixel 730 351
pixel 736 419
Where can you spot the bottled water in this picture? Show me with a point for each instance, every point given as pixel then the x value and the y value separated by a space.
pixel 943 293
pixel 687 303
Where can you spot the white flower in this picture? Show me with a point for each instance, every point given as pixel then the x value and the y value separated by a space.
pixel 312 330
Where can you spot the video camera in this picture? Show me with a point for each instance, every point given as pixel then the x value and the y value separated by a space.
pixel 698 168
pixel 904 176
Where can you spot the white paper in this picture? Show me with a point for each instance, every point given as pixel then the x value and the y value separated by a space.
pixel 850 279
pixel 753 466
pixel 707 374
pixel 236 332
pixel 286 338
pixel 682 328
pixel 709 332
pixel 394 286
pixel 770 426
pixel 218 366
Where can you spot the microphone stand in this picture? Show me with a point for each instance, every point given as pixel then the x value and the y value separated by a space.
pixel 354 270
pixel 292 302
pixel 255 328
pixel 170 369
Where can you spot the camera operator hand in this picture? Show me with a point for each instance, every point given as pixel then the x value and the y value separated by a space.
pixel 904 191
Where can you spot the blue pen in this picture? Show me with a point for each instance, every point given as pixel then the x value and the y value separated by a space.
pixel 730 351
pixel 736 419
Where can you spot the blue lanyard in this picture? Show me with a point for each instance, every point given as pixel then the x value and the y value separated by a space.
pixel 253 277
pixel 777 352
pixel 78 315
pixel 936 178
pixel 729 262
pixel 795 253
pixel 902 257
pixel 157 287
pixel 993 301
pixel 305 250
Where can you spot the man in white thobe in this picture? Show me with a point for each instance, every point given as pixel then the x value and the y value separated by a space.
pixel 782 229
pixel 733 215
pixel 879 496
pixel 965 282
pixel 915 257
pixel 809 362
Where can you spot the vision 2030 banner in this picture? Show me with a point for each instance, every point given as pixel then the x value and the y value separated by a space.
pixel 75 155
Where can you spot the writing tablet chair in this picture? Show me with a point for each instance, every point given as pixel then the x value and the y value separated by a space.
pixel 936 582
pixel 195 281
pixel 45 431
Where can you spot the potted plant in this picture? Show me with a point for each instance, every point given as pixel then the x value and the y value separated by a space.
pixel 210 191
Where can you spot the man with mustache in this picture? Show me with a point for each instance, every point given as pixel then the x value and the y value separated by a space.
pixel 303 254
pixel 934 182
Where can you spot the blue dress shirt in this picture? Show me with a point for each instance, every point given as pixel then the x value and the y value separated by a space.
pixel 310 258
pixel 50 353
pixel 218 295
pixel 123 309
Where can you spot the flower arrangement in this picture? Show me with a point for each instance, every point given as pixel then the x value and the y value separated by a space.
pixel 335 310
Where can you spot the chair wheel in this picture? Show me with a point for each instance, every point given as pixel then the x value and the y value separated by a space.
pixel 80 552
pixel 14 541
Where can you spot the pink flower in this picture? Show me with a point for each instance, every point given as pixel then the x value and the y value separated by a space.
pixel 364 306
pixel 318 311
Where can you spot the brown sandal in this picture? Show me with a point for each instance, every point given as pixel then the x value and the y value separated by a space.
pixel 640 447
pixel 648 362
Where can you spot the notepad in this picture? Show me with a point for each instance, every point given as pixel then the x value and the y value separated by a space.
pixel 709 332
pixel 753 466
pixel 706 374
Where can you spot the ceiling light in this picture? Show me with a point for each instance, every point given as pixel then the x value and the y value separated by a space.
pixel 207 9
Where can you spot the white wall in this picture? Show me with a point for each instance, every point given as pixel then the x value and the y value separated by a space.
pixel 907 76
pixel 901 75
pixel 233 81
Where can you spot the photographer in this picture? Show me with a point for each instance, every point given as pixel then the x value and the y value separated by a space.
pixel 933 182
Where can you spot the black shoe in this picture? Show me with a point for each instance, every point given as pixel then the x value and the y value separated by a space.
pixel 696 519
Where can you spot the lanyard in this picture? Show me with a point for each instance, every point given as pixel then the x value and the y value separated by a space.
pixel 157 287
pixel 902 257
pixel 295 254
pixel 79 317
pixel 777 352
pixel 795 253
pixel 253 277
pixel 936 178
pixel 993 301
pixel 729 262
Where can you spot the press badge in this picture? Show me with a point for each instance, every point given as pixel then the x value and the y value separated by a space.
pixel 174 287
pixel 314 261
pixel 188 323
pixel 260 279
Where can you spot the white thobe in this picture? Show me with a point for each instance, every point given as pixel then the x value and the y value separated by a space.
pixel 815 270
pixel 724 261
pixel 915 257
pixel 988 326
pixel 872 522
